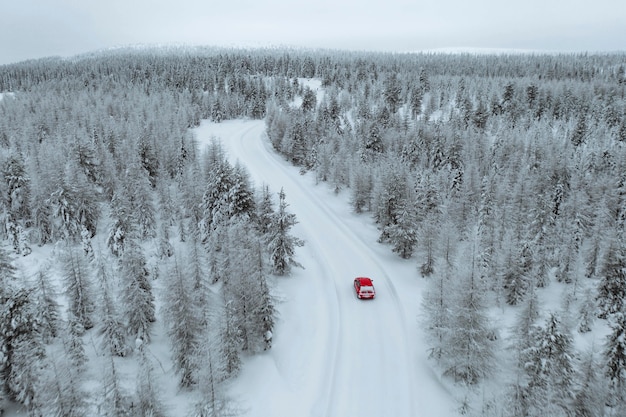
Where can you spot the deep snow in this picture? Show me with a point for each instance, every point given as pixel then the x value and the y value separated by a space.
pixel 333 355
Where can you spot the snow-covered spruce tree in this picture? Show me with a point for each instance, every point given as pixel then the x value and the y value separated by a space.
pixel 183 323
pixel 110 328
pixel 517 279
pixel 486 231
pixel 471 340
pixel 61 388
pixel 21 349
pixel 247 286
pixel 521 340
pixel 213 401
pixel 123 226
pixel 228 194
pixel 47 306
pixel 7 272
pixel 586 312
pixel 436 307
pixel 590 394
pixel 137 189
pixel 231 341
pixel 196 267
pixel 17 189
pixel 164 246
pixel 611 294
pixel 389 193
pixel 217 246
pixel 282 245
pixel 615 357
pixel 540 240
pixel 430 217
pixel 550 369
pixel 241 195
pixel 78 286
pixel 264 210
pixel 74 204
pixel 147 392
pixel 361 185
pixel 136 295
pixel 263 311
pixel 220 181
pixel 402 233
pixel 115 401
pixel 73 343
pixel 191 186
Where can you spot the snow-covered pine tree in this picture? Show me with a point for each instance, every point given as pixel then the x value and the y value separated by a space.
pixel 183 323
pixel 586 312
pixel 611 294
pixel 615 359
pixel 241 195
pixel 247 286
pixel 263 312
pixel 61 388
pixel 74 204
pixel 220 181
pixel 486 230
pixel 21 348
pixel 211 369
pixel 47 306
pixel 361 185
pixel 164 246
pixel 236 292
pixel 17 183
pixel 430 216
pixel 135 193
pixel 436 307
pixel 402 233
pixel 471 340
pixel 7 272
pixel 230 336
pixel 550 369
pixel 213 401
pixel 115 401
pixel 265 210
pixel 147 392
pixel 73 343
pixel 111 328
pixel 517 280
pixel 389 193
pixel 196 268
pixel 281 244
pixel 78 286
pixel 136 295
pixel 123 226
pixel 590 393
pixel 522 339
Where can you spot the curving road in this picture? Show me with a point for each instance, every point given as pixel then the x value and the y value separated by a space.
pixel 334 355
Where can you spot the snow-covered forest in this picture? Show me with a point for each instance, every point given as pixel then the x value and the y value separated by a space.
pixel 500 178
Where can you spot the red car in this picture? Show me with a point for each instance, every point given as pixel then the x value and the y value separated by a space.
pixel 364 287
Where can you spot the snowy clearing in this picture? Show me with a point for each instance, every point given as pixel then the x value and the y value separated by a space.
pixel 333 355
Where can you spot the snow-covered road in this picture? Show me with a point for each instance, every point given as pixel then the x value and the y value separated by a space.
pixel 333 355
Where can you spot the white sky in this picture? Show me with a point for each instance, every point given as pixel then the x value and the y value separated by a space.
pixel 39 28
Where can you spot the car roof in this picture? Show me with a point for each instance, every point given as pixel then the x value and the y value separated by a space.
pixel 365 280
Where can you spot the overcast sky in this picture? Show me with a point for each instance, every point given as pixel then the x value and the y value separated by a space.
pixel 40 28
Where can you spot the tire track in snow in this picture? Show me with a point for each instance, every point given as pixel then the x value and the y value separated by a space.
pixel 250 140
pixel 324 401
pixel 363 247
